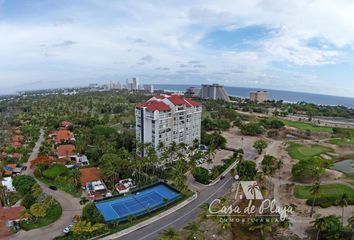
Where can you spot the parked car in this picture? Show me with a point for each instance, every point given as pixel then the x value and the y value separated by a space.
pixel 24 168
pixel 68 229
pixel 54 188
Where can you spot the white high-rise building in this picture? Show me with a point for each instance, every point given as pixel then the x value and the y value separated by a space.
pixel 214 91
pixel 135 83
pixel 167 119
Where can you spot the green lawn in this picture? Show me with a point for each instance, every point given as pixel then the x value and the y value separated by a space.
pixel 342 141
pixel 306 126
pixel 53 214
pixel 305 152
pixel 64 186
pixel 327 191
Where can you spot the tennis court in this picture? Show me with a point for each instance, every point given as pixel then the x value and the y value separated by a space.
pixel 138 203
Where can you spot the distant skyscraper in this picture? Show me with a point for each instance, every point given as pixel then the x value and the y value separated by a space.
pixel 214 91
pixel 149 87
pixel 135 83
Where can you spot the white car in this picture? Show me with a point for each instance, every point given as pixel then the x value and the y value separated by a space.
pixel 67 229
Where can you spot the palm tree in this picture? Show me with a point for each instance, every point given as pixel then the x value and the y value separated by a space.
pixel 259 224
pixel 205 212
pixel 170 234
pixel 285 224
pixel 279 165
pixel 351 223
pixel 194 231
pixel 224 223
pixel 343 202
pixel 324 224
pixel 315 192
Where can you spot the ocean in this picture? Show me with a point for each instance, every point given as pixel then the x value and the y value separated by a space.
pixel 286 96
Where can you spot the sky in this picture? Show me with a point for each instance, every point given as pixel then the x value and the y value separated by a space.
pixel 302 45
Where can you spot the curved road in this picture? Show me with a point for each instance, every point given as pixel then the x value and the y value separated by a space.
pixel 69 204
pixel 183 216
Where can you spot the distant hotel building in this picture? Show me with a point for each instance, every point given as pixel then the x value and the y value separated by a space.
pixel 259 96
pixel 214 91
pixel 167 119
pixel 149 87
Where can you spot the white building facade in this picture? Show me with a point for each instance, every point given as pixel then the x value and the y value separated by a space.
pixel 167 119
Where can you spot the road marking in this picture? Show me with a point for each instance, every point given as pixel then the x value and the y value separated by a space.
pixel 158 230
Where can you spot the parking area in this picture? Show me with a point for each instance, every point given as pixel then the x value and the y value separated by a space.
pixel 217 160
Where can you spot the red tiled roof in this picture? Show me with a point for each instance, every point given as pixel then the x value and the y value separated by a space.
pixel 17 138
pixel 16 144
pixel 65 150
pixel 41 159
pixel 63 135
pixel 154 105
pixel 177 100
pixel 11 214
pixel 89 175
pixel 17 155
pixel 192 102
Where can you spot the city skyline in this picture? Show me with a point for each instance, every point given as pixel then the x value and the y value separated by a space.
pixel 304 46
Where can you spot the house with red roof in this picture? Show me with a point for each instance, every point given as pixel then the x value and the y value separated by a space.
pixel 91 181
pixel 65 151
pixel 63 136
pixel 8 216
pixel 167 119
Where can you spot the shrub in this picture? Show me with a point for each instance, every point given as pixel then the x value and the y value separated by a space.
pixel 252 129
pixel 201 175
pixel 23 183
pixel 55 171
pixel 91 214
pixel 28 200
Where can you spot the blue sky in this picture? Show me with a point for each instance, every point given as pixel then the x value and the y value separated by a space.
pixel 303 45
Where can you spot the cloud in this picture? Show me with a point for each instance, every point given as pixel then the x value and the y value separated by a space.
pixel 162 68
pixel 66 43
pixel 129 33
pixel 147 59
pixel 199 66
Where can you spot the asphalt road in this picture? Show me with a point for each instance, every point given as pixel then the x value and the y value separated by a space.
pixel 183 216
pixel 69 204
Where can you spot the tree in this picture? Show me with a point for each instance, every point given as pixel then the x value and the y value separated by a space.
pixel 315 192
pixel 311 168
pixel 38 210
pixel 170 234
pixel 224 223
pixel 329 225
pixel 91 214
pixel 201 175
pixel 74 177
pixel 261 225
pixel 36 190
pixel 269 164
pixel 259 145
pixel 28 200
pixel 112 166
pixel 343 202
pixel 23 183
pixel 247 170
pixel 194 231
pixel 252 129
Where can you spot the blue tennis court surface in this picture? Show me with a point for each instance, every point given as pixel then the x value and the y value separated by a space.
pixel 138 203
